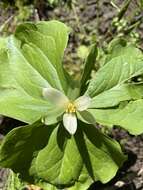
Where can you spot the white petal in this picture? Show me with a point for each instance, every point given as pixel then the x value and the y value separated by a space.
pixel 70 122
pixel 55 96
pixel 82 103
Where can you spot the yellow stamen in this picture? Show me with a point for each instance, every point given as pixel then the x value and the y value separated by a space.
pixel 71 108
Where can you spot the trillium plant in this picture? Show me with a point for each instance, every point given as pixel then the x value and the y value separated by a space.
pixel 61 145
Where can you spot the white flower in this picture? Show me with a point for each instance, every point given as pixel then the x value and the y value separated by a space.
pixel 70 107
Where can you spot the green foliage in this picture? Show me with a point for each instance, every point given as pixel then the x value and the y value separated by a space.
pixel 69 154
pixel 127 23
pixel 124 63
pixel 82 52
pixel 45 153
pixel 55 37
pixel 13 182
pixel 23 9
pixel 53 1
pixel 141 3
pixel 88 67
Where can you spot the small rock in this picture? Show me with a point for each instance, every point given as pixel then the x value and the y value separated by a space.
pixel 140 172
pixel 119 183
pixel 33 187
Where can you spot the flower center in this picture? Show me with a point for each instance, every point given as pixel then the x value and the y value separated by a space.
pixel 71 108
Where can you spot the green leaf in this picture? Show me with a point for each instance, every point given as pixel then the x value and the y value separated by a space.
pixel 100 155
pixel 37 59
pixel 58 31
pixel 51 35
pixel 141 3
pixel 114 88
pixel 51 38
pixel 116 95
pixel 115 48
pixel 3 42
pixel 28 78
pixel 89 65
pixel 6 78
pixel 129 116
pixel 29 71
pixel 84 181
pixel 19 105
pixel 21 146
pixel 81 186
pixel 76 160
pixel 66 163
pixel 29 33
pixel 117 71
pixel 15 103
pixel 123 9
